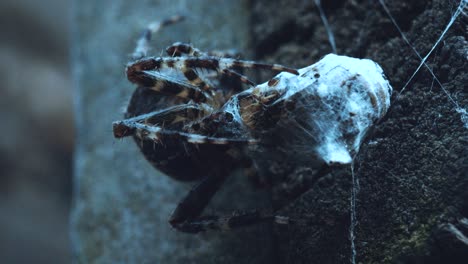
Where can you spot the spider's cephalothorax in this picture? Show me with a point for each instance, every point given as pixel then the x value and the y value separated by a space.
pixel 194 125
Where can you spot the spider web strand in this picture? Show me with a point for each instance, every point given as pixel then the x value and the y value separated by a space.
pixel 423 60
pixel 331 38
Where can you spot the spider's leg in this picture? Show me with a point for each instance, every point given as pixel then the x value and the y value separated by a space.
pixel 227 63
pixel 215 64
pixel 167 84
pixel 145 72
pixel 170 115
pixel 192 205
pixel 194 79
pixel 205 62
pixel 222 223
pixel 142 46
pixel 186 217
pixel 236 220
pixel 187 65
pixel 158 134
pixel 178 49
pixel 239 76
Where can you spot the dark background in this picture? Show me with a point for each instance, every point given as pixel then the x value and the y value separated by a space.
pixel 36 144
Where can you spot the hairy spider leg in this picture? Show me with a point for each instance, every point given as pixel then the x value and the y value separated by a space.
pixel 239 76
pixel 192 205
pixel 188 64
pixel 142 46
pixel 222 223
pixel 144 75
pixel 168 116
pixel 236 220
pixel 194 79
pixel 157 134
pixel 145 72
pixel 186 217
pixel 178 49
pixel 212 63
pixel 162 83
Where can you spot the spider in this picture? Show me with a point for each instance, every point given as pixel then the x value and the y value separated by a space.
pixel 193 120
pixel 176 119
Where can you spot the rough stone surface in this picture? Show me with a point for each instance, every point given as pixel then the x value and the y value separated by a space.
pixel 412 169
pixel 121 203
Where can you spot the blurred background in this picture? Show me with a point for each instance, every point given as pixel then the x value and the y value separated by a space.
pixel 36 144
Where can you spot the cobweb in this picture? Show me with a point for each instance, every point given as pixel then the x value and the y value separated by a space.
pixel 461 10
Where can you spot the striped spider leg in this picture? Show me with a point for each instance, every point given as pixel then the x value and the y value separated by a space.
pixel 137 71
pixel 179 49
pixel 142 47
